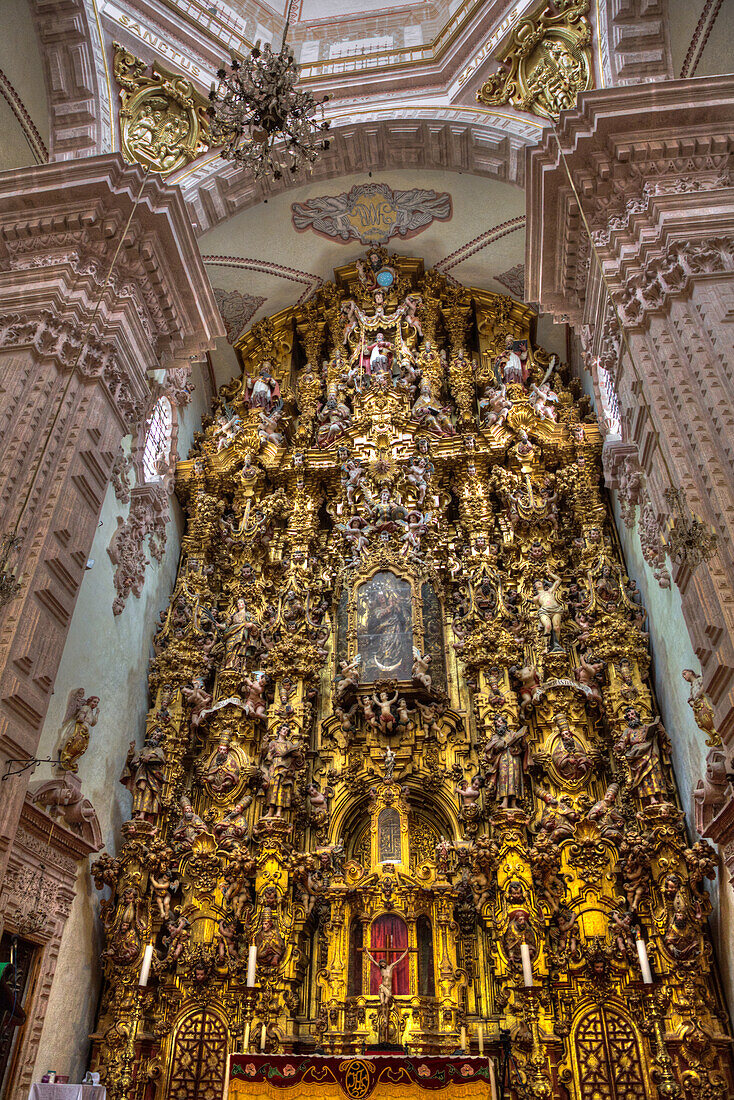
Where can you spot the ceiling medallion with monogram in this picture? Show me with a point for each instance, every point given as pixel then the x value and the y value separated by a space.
pixel 163 120
pixel 546 63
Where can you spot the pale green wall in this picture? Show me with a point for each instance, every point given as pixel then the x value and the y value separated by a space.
pixel 107 656
pixel 672 652
pixel 20 61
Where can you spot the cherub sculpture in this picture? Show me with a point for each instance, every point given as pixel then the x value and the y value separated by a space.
pixel 421 664
pixel 384 703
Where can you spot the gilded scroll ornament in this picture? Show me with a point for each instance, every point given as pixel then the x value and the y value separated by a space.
pixel 163 120
pixel 546 63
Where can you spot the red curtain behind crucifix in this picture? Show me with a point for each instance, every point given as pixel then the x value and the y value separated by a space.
pixel 388 939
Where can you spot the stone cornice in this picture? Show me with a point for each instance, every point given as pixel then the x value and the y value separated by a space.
pixel 57 222
pixel 639 173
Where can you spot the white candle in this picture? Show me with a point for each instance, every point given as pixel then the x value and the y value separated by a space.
pixel 463 1038
pixel 247 1036
pixel 251 965
pixel 527 966
pixel 145 968
pixel 262 1038
pixel 644 961
pixel 492 1080
pixel 480 1038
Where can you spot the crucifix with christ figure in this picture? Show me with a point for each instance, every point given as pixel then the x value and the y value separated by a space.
pixel 386 969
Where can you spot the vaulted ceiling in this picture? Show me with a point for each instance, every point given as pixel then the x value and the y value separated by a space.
pixel 402 79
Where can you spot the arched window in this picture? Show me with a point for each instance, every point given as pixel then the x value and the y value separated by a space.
pixel 609 401
pixel 158 439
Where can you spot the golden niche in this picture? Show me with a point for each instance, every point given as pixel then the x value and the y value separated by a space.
pixel 163 120
pixel 403 753
pixel 546 64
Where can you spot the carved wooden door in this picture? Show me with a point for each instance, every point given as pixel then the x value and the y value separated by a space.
pixel 199 1058
pixel 11 1038
pixel 608 1058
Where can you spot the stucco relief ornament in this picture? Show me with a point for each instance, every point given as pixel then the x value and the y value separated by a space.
pixel 163 120
pixel 546 63
pixel 371 213
pixel 689 540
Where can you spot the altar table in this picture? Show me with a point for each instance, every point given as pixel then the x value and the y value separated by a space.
pixel 325 1077
pixel 48 1091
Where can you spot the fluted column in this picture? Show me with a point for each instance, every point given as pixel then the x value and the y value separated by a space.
pixel 651 179
pixel 77 341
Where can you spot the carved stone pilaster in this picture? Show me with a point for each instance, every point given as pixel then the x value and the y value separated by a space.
pixel 78 338
pixel 655 185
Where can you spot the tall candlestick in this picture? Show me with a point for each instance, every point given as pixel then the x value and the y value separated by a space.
pixel 263 1036
pixel 480 1038
pixel 492 1081
pixel 644 960
pixel 527 966
pixel 251 965
pixel 247 1036
pixel 463 1038
pixel 145 968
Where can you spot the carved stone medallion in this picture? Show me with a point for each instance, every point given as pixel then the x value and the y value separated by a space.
pixel 163 121
pixel 546 63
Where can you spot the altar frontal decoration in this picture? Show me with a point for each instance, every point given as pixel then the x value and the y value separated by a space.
pixel 282 1077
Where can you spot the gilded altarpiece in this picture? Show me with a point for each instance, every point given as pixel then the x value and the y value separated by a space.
pixel 403 754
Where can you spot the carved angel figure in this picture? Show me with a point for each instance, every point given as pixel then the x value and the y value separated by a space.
pixel 162 886
pixel 178 934
pixel 352 477
pixel 421 664
pixel 237 876
pixel 494 405
pixel 81 716
pixel 418 474
pixel 254 706
pixel 384 703
pixel 700 704
pixel 550 609
pixel 349 676
pixel 318 801
pixel 543 399
pixel 198 699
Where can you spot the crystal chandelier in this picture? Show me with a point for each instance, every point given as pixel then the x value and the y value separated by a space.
pixel 261 119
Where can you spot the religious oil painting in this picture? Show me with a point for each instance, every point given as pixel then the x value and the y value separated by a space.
pixel 384 628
